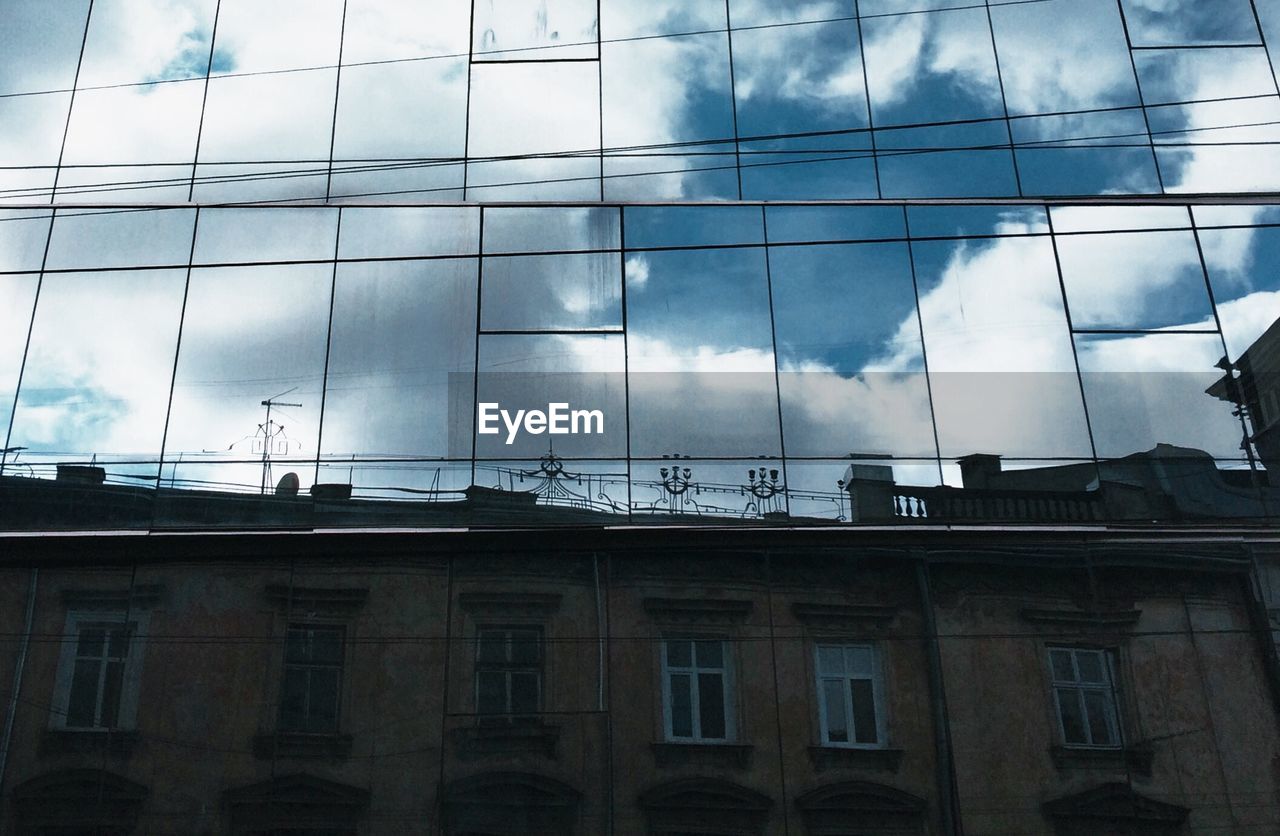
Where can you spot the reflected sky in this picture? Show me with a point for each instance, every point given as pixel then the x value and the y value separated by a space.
pixel 664 98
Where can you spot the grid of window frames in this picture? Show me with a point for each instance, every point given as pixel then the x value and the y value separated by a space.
pixel 633 99
pixel 833 363
pixel 1084 691
pixel 312 686
pixel 697 690
pixel 508 673
pixel 850 695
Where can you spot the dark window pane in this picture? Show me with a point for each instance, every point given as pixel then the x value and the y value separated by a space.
pixel 1090 666
pixel 118 643
pixel 493 646
pixel 1073 728
pixel 491 692
pixel 91 641
pixel 711 704
pixel 830 660
pixel 833 702
pixel 293 700
pixel 1098 708
pixel 710 654
pixel 82 705
pixel 681 706
pixel 295 648
pixel 679 654
pixel 524 693
pixel 326 647
pixel 111 686
pixel 864 711
pixel 1061 662
pixel 323 708
pixel 524 647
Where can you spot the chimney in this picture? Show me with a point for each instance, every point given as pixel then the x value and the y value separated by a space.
pixel 978 470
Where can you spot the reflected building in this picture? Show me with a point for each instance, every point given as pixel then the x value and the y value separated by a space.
pixel 931 345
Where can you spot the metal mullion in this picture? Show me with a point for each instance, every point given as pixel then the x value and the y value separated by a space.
pixel 1004 101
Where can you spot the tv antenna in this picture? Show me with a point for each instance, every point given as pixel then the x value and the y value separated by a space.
pixel 270 433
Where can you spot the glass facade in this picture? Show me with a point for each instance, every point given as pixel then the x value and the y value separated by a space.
pixel 856 363
pixel 617 100
pixel 339 262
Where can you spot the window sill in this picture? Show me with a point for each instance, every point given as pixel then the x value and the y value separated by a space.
pixel 729 755
pixel 113 742
pixel 302 745
pixel 1137 759
pixel 852 757
pixel 507 739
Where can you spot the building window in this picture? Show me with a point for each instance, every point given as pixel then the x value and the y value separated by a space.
pixel 697 692
pixel 849 695
pixel 312 679
pixel 509 672
pixel 1085 694
pixel 98 673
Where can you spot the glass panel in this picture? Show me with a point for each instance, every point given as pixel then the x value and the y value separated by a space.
pixel 864 711
pixel 701 365
pixel 401 360
pixel 251 334
pixel 551 229
pixel 662 91
pixel 628 19
pixel 17 303
pixel 1090 666
pixel 693 226
pixel 813 224
pixel 23 235
pixel 1071 713
pixel 1148 390
pixel 91 642
pixel 491 692
pixel 534 30
pixel 1054 58
pixel 1000 359
pixel 1144 280
pixel 239 235
pixel 324 699
pixel 959 221
pixel 830 660
pixel 326 647
pixel 293 700
pixel 82 705
pixel 99 366
pixel 525 647
pixel 524 693
pixel 1063 671
pixel 407 231
pixel 833 703
pixel 118 644
pixel 710 654
pixel 112 683
pixel 553 292
pixel 281 35
pixel 546 117
pixel 1181 75
pixel 850 361
pixel 860 660
pixel 931 67
pixel 297 647
pixel 40 44
pixel 397 30
pixel 574 381
pixel 1086 153
pixel 681 706
pixel 133 41
pixel 1098 710
pixel 1246 286
pixel 711 706
pixel 95 238
pixel 1182 23
pixel 940 161
pixel 679 654
pixel 31 129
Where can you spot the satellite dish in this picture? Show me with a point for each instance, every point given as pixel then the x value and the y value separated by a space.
pixel 288 485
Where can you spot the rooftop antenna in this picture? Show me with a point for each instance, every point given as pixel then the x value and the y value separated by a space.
pixel 270 431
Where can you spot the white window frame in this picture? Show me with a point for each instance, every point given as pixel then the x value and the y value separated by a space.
pixel 1110 691
pixel 726 672
pixel 127 717
pixel 877 694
